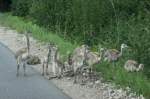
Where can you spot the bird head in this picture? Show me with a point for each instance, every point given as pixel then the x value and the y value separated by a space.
pixel 55 47
pixel 102 51
pixel 86 48
pixel 124 46
pixel 141 66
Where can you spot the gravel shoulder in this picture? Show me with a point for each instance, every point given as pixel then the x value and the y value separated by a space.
pixel 101 90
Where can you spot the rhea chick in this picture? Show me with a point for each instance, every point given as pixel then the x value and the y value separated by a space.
pixel 132 65
pixel 112 55
pixel 22 55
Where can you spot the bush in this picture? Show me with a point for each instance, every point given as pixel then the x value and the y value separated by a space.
pixel 52 14
pixel 21 7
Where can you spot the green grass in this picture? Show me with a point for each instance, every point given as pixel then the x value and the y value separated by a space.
pixel 37 32
pixel 136 81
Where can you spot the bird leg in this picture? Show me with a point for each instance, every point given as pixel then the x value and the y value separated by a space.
pixel 43 69
pixel 18 66
pixel 113 64
pixel 90 72
pixel 75 79
pixel 24 68
pixel 47 69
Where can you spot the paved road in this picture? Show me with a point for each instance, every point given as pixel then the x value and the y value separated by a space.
pixel 33 86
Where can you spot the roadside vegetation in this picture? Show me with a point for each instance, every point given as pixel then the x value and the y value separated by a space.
pixel 107 23
pixel 37 32
pixel 138 82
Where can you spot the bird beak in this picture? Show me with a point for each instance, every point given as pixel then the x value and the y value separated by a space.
pixel 126 46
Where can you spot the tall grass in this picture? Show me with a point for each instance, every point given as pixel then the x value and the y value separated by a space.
pixel 39 33
pixel 138 82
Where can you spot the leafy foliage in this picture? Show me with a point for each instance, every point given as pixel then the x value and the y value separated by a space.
pixel 106 22
pixel 21 7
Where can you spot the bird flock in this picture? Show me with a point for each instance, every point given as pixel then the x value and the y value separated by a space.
pixel 82 59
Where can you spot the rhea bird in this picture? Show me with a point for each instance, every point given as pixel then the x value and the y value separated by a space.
pixel 24 57
pixel 112 55
pixel 53 58
pixel 78 58
pixel 93 58
pixel 132 65
pixel 58 66
pixel 86 69
pixel 45 60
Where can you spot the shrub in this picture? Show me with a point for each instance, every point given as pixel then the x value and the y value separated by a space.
pixel 21 7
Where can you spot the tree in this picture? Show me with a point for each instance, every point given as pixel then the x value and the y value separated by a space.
pixel 5 5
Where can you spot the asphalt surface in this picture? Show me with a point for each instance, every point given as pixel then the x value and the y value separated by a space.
pixel 33 86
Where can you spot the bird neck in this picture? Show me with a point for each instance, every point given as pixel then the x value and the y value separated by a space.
pixel 138 68
pixel 48 54
pixel 100 55
pixel 56 55
pixel 85 53
pixel 121 52
pixel 28 52
pixel 28 43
